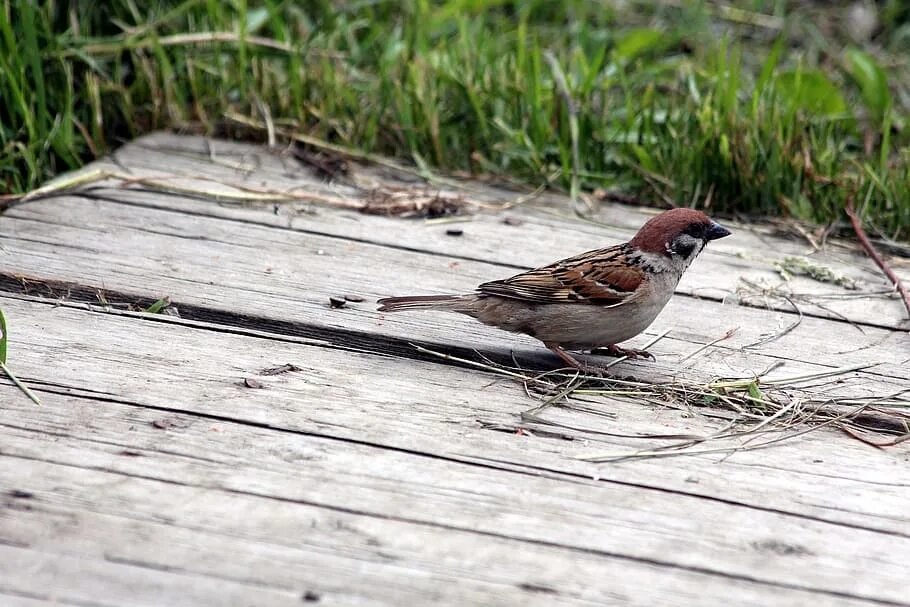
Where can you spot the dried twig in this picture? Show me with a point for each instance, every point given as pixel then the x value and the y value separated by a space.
pixel 874 254
pixel 782 332
pixel 727 335
pixel 646 346
pixel 759 407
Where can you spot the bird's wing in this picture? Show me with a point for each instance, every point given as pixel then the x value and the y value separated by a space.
pixel 600 277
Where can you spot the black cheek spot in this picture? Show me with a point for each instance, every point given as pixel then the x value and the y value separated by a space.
pixel 683 249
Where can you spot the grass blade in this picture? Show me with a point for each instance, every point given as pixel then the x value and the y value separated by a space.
pixel 34 398
pixel 4 340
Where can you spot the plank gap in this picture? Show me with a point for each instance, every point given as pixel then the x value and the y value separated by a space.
pixel 487 534
pixel 89 195
pixel 521 469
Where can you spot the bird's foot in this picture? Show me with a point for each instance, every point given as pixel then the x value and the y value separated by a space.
pixel 613 350
pixel 617 352
pixel 574 363
pixel 566 357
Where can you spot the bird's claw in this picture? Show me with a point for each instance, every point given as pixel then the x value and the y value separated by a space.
pixel 617 352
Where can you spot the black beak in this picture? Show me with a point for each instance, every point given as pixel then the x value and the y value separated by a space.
pixel 716 231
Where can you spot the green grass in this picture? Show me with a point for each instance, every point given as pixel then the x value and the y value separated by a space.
pixel 4 338
pixel 753 111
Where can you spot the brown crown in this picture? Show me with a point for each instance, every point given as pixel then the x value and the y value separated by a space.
pixel 663 228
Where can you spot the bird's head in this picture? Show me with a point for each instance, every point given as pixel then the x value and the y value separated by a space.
pixel 679 234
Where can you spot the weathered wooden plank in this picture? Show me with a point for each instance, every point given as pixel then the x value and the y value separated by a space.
pixel 67 580
pixel 339 475
pixel 20 601
pixel 288 276
pixel 348 399
pixel 751 254
pixel 339 557
pixel 150 415
pixel 10 600
pixel 216 392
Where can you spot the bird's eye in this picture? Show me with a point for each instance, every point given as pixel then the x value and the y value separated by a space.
pixel 696 230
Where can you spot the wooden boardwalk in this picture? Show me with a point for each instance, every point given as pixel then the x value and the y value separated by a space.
pixel 265 448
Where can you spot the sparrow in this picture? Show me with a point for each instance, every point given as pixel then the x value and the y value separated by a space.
pixel 591 301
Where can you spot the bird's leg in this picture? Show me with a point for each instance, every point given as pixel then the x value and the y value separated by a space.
pixel 568 358
pixel 614 350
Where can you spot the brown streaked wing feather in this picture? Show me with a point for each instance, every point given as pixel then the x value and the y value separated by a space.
pixel 600 277
pixel 623 278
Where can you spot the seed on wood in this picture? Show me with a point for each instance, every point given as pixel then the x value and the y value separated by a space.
pixel 353 298
pixel 285 368
pixel 337 302
pixel 513 221
pixel 454 232
pixel 250 382
pixel 171 422
pixel 532 587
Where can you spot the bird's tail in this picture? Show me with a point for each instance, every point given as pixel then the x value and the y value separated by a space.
pixel 454 303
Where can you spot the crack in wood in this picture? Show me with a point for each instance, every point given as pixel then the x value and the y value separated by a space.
pixel 52 598
pixel 490 534
pixel 267 434
pixel 110 558
pixel 483 463
pixel 342 339
pixel 90 194
pixel 345 339
pixel 321 336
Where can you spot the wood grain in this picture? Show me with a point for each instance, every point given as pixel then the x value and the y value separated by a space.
pixel 288 553
pixel 547 226
pixel 260 272
pixel 169 465
pixel 303 440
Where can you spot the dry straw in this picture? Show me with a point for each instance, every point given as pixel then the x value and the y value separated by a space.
pixel 758 412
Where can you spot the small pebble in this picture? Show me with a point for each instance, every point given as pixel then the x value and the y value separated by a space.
pixel 337 302
pixel 454 232
pixel 513 221
pixel 353 298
